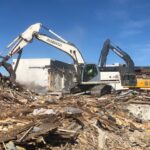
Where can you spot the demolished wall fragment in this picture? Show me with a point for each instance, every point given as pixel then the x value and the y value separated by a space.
pixel 44 74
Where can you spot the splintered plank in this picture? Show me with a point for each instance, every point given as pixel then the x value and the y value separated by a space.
pixel 12 134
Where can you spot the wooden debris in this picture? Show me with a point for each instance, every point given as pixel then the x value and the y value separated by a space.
pixel 79 122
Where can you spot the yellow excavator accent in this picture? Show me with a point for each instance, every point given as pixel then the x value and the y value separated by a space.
pixel 143 83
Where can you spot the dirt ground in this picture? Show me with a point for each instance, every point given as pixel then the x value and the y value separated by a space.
pixel 119 121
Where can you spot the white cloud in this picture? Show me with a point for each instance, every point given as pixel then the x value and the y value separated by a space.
pixel 134 27
pixel 112 15
pixel 137 23
pixel 75 34
pixel 143 47
pixel 121 2
pixel 131 32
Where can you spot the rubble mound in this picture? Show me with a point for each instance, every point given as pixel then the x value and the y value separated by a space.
pixel 29 121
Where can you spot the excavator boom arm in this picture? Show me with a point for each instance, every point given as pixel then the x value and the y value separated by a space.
pixel 118 51
pixel 68 48
pixel 33 33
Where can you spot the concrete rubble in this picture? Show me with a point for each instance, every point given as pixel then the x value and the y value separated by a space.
pixel 73 122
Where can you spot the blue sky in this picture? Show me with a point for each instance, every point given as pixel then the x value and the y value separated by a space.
pixel 86 23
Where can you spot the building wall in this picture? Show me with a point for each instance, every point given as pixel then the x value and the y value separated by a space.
pixel 61 75
pixel 44 74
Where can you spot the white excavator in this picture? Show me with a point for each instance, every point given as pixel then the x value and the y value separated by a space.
pixel 88 76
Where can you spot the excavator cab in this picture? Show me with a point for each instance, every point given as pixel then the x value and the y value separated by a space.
pixel 90 73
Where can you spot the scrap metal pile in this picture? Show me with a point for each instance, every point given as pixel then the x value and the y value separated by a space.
pixel 78 122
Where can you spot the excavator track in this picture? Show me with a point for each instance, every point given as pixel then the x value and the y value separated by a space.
pixel 101 89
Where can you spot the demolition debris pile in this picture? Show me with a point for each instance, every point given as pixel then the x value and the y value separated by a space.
pixel 30 121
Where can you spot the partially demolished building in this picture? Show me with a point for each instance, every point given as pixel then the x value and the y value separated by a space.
pixel 44 74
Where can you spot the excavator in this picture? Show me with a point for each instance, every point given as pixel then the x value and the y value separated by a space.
pixel 128 70
pixel 90 77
